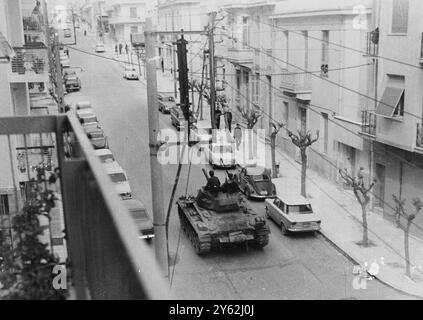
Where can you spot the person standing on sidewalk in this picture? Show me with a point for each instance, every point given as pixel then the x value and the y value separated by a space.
pixel 120 48
pixel 237 135
pixel 116 48
pixel 126 48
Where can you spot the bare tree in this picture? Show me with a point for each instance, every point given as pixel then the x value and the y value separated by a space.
pixel 303 140
pixel 249 115
pixel 276 127
pixel 361 192
pixel 399 206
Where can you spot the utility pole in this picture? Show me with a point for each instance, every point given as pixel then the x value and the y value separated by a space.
pixel 101 22
pixel 73 22
pixel 159 219
pixel 175 88
pixel 58 73
pixel 183 80
pixel 212 70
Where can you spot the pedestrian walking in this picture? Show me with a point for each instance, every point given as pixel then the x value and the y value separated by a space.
pixel 126 48
pixel 116 48
pixel 238 135
pixel 217 115
pixel 120 48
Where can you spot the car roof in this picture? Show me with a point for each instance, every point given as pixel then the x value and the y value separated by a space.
pixel 255 171
pixel 134 204
pixel 72 78
pixel 113 168
pixel 102 152
pixel 290 195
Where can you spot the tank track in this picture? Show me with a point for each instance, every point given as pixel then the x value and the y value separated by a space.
pixel 202 245
pixel 262 236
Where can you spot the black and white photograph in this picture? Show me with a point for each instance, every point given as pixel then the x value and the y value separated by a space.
pixel 211 154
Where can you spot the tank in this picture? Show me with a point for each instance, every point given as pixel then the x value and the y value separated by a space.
pixel 215 218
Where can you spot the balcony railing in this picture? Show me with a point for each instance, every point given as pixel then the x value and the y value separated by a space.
pixel 30 64
pixel 419 136
pixel 107 259
pixel 296 82
pixel 368 123
pixel 33 23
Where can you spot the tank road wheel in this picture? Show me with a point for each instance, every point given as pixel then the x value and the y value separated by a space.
pixel 202 246
pixel 262 237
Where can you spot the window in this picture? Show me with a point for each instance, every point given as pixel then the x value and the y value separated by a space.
pixel 305 34
pixel 245 32
pixel 4 205
pixel 325 131
pixel 256 88
pixel 399 16
pixel 286 42
pixel 285 110
pixel 325 53
pixel 393 100
pixel 133 12
pixel 304 208
pixel 134 29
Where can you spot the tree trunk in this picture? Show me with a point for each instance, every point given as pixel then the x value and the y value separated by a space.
pixel 365 231
pixel 407 250
pixel 273 147
pixel 250 143
pixel 303 172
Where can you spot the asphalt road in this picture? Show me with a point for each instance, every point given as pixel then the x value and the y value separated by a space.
pixel 293 267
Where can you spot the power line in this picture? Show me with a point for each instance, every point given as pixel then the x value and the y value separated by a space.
pixel 341 45
pixel 327 80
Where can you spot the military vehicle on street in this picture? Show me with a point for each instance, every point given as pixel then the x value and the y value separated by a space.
pixel 221 216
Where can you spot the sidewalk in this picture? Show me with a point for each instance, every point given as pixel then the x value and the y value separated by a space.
pixel 341 225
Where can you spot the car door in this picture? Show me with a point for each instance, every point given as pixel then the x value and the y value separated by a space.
pixel 283 214
pixel 273 211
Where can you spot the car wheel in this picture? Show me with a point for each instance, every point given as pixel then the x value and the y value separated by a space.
pixel 284 229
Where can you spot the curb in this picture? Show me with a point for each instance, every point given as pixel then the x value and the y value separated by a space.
pixel 352 259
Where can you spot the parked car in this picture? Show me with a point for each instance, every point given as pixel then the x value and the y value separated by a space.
pixel 68 73
pixel 166 102
pixel 256 182
pixel 72 83
pixel 83 105
pixel 130 73
pixel 65 62
pixel 88 118
pixel 99 47
pixel 220 155
pixel 142 219
pixel 97 137
pixel 201 132
pixel 105 155
pixel 67 33
pixel 119 179
pixel 292 212
pixel 178 118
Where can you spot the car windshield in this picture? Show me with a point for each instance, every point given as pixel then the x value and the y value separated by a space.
pixel 302 209
pixel 260 177
pixel 139 214
pixel 72 80
pixel 107 158
pixel 222 149
pixel 117 177
pixel 89 119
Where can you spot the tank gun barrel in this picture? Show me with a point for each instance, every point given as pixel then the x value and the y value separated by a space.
pixel 205 173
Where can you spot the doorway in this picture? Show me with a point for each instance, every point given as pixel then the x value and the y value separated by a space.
pixel 380 186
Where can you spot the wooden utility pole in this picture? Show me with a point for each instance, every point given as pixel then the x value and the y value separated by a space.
pixel 212 69
pixel 159 219
pixel 58 75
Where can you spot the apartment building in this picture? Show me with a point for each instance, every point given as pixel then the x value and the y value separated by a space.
pixel 394 121
pixel 126 18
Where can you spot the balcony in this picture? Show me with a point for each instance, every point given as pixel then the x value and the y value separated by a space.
pixel 244 57
pixel 30 64
pixel 419 137
pixel 111 262
pixel 34 23
pixel 296 84
pixel 368 123
pixel 372 43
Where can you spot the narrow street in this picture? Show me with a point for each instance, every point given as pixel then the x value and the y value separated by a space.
pixel 293 267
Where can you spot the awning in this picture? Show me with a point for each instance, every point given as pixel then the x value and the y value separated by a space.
pixel 389 101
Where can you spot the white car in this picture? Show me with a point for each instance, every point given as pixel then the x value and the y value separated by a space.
pixel 119 179
pixel 99 47
pixel 292 212
pixel 130 73
pixel 201 132
pixel 106 156
pixel 65 62
pixel 220 155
